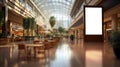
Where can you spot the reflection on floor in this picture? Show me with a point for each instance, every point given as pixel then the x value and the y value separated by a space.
pixel 66 54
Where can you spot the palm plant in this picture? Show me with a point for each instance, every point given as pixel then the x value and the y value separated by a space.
pixel 52 21
pixel 32 25
pixel 26 25
pixel 29 25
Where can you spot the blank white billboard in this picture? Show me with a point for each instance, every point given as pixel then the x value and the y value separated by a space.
pixel 93 20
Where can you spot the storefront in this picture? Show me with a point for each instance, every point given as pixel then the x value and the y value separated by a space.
pixel 15 23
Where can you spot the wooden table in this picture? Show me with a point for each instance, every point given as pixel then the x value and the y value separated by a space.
pixel 34 46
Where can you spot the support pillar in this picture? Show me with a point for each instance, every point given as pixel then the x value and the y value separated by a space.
pixel 114 22
pixel 75 34
pixel 5 9
pixel 11 30
pixel 78 33
pixel 81 33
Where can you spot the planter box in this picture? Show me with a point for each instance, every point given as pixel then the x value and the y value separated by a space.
pixel 4 41
pixel 117 52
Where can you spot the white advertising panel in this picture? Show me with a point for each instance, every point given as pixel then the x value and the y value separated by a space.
pixel 93 20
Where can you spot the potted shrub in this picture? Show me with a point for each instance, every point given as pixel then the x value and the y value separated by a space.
pixel 115 41
pixel 29 26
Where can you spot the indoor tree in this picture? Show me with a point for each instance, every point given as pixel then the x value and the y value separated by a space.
pixel 52 21
pixel 32 26
pixel 61 30
pixel 29 25
pixel 26 26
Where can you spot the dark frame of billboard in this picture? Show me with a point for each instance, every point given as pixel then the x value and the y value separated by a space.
pixel 93 24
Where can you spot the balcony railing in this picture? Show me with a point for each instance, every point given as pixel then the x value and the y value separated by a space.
pixel 17 6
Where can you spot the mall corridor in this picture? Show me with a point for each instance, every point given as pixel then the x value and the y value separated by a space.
pixel 78 54
pixel 59 33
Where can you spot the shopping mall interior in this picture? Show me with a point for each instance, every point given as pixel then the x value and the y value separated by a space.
pixel 55 33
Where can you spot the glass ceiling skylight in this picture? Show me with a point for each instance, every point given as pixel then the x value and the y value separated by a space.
pixel 58 8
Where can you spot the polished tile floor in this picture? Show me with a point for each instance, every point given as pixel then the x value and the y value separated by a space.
pixel 66 54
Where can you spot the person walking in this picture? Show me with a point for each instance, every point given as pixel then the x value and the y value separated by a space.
pixel 72 38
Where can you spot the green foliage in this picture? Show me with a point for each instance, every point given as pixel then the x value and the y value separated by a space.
pixel 33 24
pixel 29 23
pixel 1 18
pixel 61 29
pixel 52 21
pixel 2 34
pixel 25 23
pixel 115 38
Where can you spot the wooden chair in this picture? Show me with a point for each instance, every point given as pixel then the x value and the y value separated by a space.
pixel 36 42
pixel 47 47
pixel 40 50
pixel 21 50
pixel 53 43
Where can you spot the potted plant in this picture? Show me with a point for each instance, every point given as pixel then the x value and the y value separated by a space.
pixel 115 41
pixel 61 30
pixel 29 26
